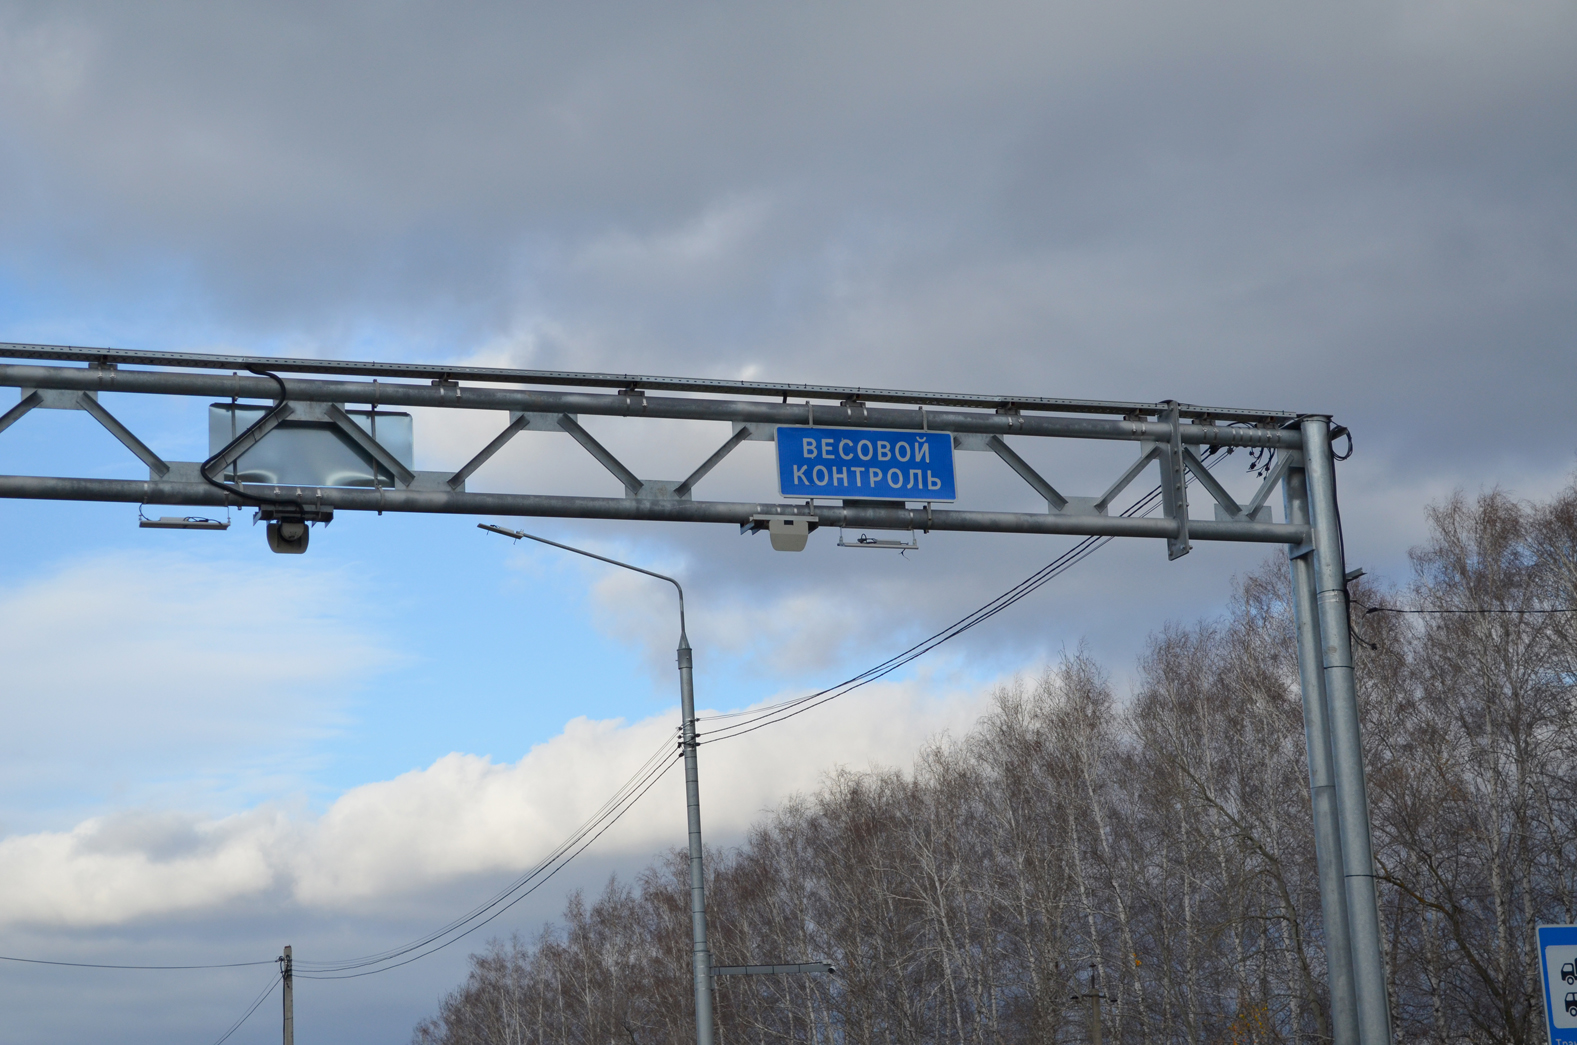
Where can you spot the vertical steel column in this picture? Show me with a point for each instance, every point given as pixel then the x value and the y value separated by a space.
pixel 1322 779
pixel 692 791
pixel 1352 800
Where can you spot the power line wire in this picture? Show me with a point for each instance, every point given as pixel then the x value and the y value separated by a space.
pixel 603 818
pixel 95 965
pixel 658 775
pixel 1391 609
pixel 760 718
pixel 261 998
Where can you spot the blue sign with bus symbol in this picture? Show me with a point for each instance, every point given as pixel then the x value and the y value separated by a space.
pixel 1558 962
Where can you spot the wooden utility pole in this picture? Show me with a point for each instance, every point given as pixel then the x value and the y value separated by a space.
pixel 290 1000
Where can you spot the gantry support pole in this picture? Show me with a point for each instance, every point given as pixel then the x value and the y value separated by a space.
pixel 1322 777
pixel 1352 800
pixel 692 792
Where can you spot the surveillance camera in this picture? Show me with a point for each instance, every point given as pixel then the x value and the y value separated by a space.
pixel 288 536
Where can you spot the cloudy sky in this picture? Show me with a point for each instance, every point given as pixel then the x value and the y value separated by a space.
pixel 210 751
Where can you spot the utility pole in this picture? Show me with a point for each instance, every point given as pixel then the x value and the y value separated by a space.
pixel 290 1000
pixel 1095 1008
pixel 702 964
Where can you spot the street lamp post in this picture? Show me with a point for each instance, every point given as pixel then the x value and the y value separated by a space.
pixel 692 790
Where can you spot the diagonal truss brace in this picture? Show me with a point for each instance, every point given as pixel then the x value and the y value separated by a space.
pixel 369 446
pixel 634 487
pixel 89 404
pixel 1177 458
pixel 1174 436
pixel 219 463
pixel 517 424
pixel 333 414
pixel 30 400
pixel 1055 502
pixel 684 488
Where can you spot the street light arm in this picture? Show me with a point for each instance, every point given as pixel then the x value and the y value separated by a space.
pixel 684 642
pixel 692 790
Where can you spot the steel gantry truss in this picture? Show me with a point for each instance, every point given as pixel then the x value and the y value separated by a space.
pixel 1175 437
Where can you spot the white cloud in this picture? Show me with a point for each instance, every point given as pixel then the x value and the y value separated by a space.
pixel 462 815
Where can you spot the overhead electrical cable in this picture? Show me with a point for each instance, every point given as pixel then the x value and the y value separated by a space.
pixel 384 965
pixel 261 998
pixel 760 718
pixel 643 780
pixel 160 968
pixel 1396 609
pixel 589 830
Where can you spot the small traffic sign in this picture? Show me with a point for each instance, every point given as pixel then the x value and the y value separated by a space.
pixel 861 464
pixel 1558 960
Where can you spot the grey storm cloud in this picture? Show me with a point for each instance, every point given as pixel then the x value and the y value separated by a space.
pixel 1358 208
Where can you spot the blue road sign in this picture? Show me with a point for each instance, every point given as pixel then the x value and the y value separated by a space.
pixel 1558 960
pixel 859 464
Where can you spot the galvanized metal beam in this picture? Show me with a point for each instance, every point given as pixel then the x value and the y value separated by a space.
pixel 446 373
pixel 449 502
pixel 465 397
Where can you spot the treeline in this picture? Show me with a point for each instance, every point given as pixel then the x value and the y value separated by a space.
pixel 1164 841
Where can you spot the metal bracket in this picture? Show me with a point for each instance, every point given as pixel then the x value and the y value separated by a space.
pixel 867 542
pixel 1174 483
pixel 759 432
pixel 58 398
pixel 662 490
pixel 788 532
pixel 307 512
pixel 801 969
